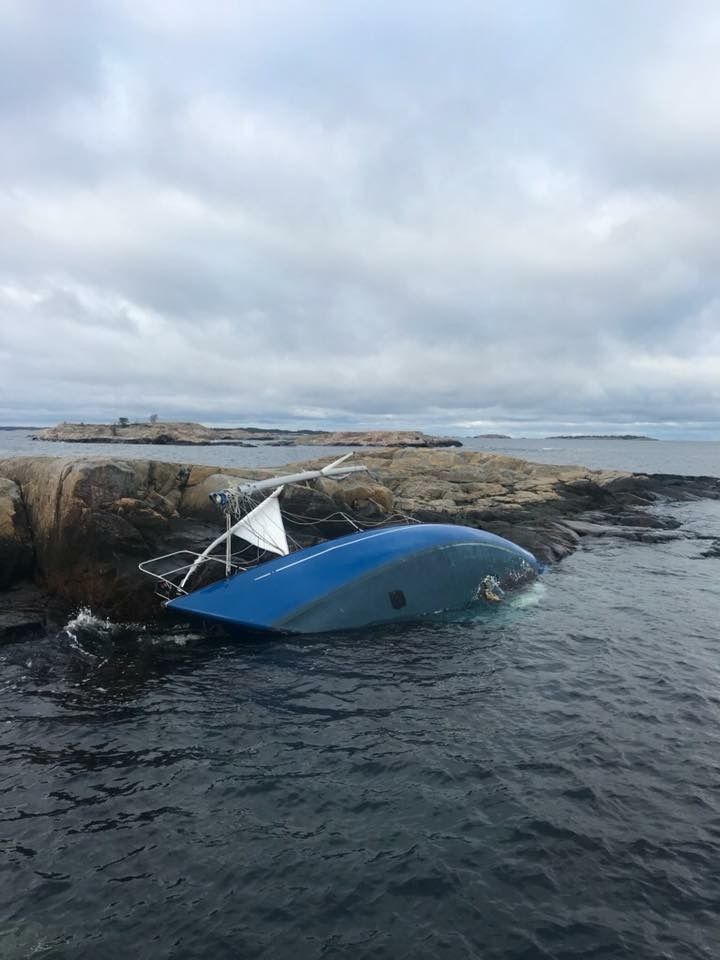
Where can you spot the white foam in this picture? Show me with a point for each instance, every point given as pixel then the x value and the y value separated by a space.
pixel 530 596
pixel 85 619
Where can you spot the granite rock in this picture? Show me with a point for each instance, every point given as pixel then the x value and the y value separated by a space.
pixel 16 547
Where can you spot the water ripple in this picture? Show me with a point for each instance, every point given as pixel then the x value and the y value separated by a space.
pixel 542 784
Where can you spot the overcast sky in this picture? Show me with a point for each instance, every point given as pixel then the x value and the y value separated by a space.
pixel 463 216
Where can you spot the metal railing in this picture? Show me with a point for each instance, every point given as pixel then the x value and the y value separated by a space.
pixel 169 578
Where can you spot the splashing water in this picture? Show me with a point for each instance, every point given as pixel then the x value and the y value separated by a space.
pixel 92 637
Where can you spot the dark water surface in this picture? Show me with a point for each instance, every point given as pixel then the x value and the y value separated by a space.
pixel 542 782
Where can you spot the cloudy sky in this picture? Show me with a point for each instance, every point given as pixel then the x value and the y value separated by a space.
pixel 465 216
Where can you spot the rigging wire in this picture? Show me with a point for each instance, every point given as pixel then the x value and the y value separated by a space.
pixel 237 504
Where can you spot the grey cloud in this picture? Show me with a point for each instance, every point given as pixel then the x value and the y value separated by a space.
pixel 370 213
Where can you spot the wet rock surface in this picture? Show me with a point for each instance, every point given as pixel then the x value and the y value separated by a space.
pixel 16 547
pixel 28 610
pixel 81 526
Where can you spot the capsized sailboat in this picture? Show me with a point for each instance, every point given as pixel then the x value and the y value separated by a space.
pixel 395 572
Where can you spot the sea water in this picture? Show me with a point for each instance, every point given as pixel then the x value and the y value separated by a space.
pixel 541 782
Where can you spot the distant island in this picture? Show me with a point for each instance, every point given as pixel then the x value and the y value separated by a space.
pixel 197 434
pixel 491 436
pixel 599 436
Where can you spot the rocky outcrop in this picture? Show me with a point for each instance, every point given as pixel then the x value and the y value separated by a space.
pixel 197 434
pixel 93 521
pixel 523 501
pixel 81 526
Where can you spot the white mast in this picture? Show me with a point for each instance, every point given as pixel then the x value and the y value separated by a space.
pixel 251 486
pixel 263 525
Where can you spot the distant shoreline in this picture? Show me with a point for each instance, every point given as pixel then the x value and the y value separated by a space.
pixel 600 436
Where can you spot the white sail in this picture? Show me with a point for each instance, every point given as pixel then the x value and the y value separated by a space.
pixel 263 526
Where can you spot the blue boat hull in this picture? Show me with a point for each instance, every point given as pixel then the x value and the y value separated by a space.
pixel 393 574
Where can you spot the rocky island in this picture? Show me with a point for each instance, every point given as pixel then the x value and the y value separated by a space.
pixel 72 531
pixel 197 434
